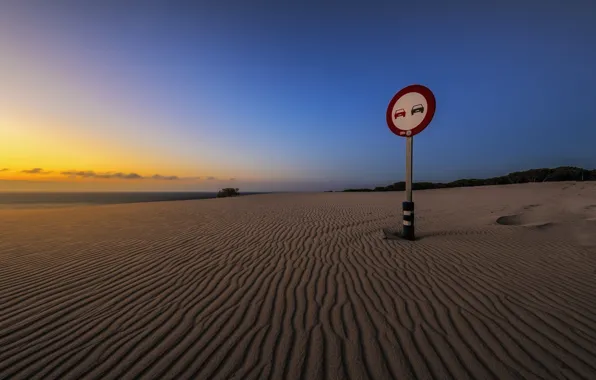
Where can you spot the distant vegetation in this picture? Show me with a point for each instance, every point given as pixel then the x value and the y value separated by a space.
pixel 228 192
pixel 563 173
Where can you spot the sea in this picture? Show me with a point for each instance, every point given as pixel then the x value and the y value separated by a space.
pixel 34 200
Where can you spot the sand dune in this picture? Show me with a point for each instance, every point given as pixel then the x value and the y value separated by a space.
pixel 500 285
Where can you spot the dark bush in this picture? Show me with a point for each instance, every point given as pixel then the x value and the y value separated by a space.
pixel 228 192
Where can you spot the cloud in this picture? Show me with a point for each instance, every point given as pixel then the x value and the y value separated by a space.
pixel 127 176
pixel 92 174
pixel 232 179
pixel 36 171
pixel 119 175
pixel 84 174
pixel 165 177
pixel 4 170
pixel 114 175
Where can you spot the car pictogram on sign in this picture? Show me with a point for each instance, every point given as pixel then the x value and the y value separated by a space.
pixel 400 112
pixel 418 108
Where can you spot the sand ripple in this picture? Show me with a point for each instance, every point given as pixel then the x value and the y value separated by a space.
pixel 302 287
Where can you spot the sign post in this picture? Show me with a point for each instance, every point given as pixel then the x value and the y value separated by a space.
pixel 409 113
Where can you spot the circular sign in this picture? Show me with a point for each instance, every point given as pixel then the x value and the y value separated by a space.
pixel 411 110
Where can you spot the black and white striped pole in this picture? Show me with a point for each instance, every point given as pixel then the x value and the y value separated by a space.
pixel 409 113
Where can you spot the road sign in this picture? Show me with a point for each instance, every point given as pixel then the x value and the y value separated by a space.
pixel 411 110
pixel 408 113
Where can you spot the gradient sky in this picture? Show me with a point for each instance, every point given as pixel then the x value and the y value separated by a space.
pixel 280 95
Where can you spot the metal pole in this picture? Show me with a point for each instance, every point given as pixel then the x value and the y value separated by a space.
pixel 409 148
pixel 408 205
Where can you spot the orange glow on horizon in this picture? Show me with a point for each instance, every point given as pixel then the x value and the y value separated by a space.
pixel 29 143
pixel 54 117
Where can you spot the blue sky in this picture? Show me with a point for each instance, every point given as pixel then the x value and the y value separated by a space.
pixel 292 95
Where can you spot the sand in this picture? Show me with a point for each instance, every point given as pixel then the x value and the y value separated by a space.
pixel 500 285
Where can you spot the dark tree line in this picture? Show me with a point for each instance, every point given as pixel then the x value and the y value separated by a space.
pixel 563 173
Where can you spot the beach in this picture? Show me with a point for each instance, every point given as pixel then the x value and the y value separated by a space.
pixel 501 284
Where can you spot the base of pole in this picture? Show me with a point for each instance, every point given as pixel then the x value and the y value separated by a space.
pixel 407 230
pixel 408 233
pixel 394 234
pixel 408 222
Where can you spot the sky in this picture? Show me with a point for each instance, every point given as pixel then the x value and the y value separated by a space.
pixel 288 95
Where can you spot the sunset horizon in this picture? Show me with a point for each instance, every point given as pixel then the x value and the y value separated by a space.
pixel 284 97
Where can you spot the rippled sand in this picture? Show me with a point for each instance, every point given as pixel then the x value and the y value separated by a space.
pixel 500 285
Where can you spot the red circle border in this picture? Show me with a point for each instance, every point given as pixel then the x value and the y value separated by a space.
pixel 431 105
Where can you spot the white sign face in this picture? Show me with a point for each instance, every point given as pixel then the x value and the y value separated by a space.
pixel 409 111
